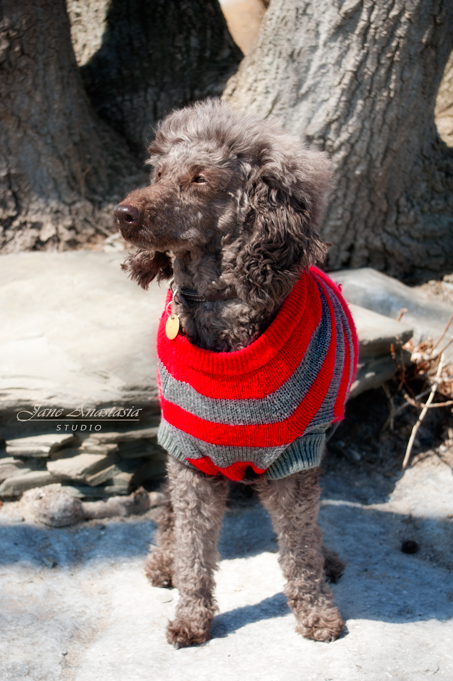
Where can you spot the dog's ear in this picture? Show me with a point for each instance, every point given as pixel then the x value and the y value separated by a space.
pixel 144 266
pixel 284 209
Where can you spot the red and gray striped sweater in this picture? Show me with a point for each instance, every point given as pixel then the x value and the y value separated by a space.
pixel 264 408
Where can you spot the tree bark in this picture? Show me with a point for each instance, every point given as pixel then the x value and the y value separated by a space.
pixel 61 168
pixel 155 56
pixel 359 78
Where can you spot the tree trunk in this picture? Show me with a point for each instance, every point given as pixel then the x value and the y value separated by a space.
pixel 359 78
pixel 60 167
pixel 155 56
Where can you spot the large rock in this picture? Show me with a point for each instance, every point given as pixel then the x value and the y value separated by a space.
pixel 9 467
pixel 374 372
pixel 378 292
pixel 377 334
pixel 78 335
pixel 16 485
pixel 130 436
pixel 104 475
pixel 75 330
pixel 39 446
pixel 96 465
pixel 81 466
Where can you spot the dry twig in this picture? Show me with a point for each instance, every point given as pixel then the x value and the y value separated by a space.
pixel 425 363
pixel 442 334
pixel 423 413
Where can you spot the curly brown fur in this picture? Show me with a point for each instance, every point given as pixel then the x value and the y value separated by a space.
pixel 145 266
pixel 159 566
pixel 293 504
pixel 234 205
pixel 199 503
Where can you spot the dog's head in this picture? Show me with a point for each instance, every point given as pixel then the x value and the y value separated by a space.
pixel 225 182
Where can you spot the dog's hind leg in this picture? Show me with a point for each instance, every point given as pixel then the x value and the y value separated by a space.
pixel 293 504
pixel 159 563
pixel 198 503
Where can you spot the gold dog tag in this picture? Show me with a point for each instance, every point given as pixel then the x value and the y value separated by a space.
pixel 172 326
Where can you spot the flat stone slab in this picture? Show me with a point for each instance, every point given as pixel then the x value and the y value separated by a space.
pixel 77 334
pixel 75 331
pixel 14 486
pixel 9 466
pixel 377 332
pixel 76 603
pixel 109 462
pixel 80 466
pixel 375 291
pixel 373 372
pixel 38 446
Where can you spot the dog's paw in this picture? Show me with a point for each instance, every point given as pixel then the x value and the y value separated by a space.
pixel 182 633
pixel 158 571
pixel 324 625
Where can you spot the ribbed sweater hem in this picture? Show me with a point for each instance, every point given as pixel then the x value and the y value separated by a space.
pixel 166 441
pixel 302 454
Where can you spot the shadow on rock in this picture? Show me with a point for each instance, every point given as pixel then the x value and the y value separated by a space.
pixel 231 621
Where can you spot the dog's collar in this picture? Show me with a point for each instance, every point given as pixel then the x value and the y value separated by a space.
pixel 189 296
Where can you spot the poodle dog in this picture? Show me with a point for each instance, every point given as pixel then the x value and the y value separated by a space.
pixel 256 350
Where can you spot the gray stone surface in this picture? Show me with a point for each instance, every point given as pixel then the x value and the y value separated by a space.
pixel 39 446
pixel 104 475
pixel 78 332
pixel 84 491
pixel 378 292
pixel 376 334
pixel 75 330
pixel 98 329
pixel 94 447
pixel 120 483
pixel 110 463
pixel 9 467
pixel 373 372
pixel 15 485
pixel 81 466
pixel 76 605
pixel 129 436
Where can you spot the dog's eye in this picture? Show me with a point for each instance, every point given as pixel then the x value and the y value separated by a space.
pixel 199 179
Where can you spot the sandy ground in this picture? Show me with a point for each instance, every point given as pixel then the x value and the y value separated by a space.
pixel 76 604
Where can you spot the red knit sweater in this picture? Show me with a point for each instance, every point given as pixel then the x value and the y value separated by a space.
pixel 266 407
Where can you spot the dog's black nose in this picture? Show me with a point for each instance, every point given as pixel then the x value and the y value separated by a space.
pixel 127 216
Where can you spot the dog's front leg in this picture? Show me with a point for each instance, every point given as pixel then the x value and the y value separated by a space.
pixel 159 563
pixel 198 503
pixel 293 504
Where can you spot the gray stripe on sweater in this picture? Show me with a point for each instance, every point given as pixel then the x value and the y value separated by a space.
pixel 305 452
pixel 184 446
pixel 326 411
pixel 275 407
